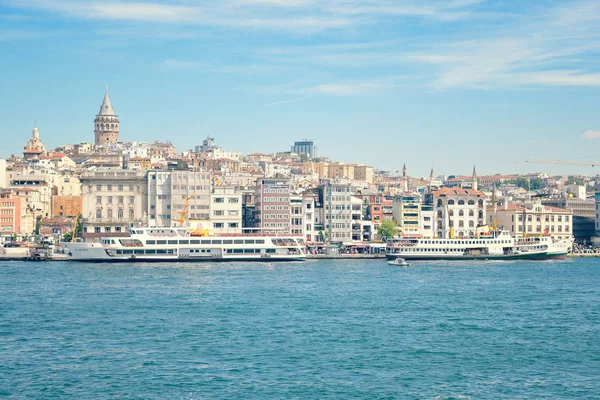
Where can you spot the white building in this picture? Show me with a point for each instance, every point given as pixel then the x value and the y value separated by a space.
pixel 226 210
pixel 302 217
pixel 159 198
pixel 337 204
pixel 533 219
pixel 191 189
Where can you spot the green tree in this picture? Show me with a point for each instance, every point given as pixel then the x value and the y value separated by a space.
pixel 387 229
pixel 67 237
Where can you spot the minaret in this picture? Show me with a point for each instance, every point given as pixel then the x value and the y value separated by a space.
pixel 474 179
pixel 404 178
pixel 106 124
pixel 431 176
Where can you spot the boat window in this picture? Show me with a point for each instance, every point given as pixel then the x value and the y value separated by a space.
pixel 217 242
pixel 150 251
pixel 270 251
pixel 184 242
pixel 172 242
pixel 229 251
pixel 138 252
pixel 161 251
pixel 149 242
pixel 237 251
pixel 161 242
pixel 171 251
pixel 194 242
pixel 119 251
pixel 260 241
pixel 205 241
pixel 227 241
pixel 127 251
pixel 249 241
pixel 248 250
pixel 238 241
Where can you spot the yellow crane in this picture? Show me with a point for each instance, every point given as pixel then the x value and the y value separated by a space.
pixel 563 162
pixel 183 213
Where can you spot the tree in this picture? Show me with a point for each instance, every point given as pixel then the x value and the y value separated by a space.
pixel 387 229
pixel 533 184
pixel 67 237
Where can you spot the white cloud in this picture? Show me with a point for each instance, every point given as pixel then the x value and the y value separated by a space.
pixel 347 89
pixel 590 134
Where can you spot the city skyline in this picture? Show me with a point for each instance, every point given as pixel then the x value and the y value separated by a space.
pixel 443 85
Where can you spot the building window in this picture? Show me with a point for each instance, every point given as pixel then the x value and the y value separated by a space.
pixel 461 202
pixel 109 188
pixel 120 188
pixel 98 199
pixel 234 200
pixel 219 200
pixel 97 229
pixel 120 213
pixel 219 225
pixel 233 224
pixel 218 212
pixel 109 214
pixel 131 213
pixel 107 229
pixel 99 213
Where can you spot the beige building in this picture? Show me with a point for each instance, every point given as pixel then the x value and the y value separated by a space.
pixel 112 200
pixel 533 219
pixel 458 212
pixel 226 210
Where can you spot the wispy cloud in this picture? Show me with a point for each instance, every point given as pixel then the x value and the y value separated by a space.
pixel 294 100
pixel 590 134
pixel 285 15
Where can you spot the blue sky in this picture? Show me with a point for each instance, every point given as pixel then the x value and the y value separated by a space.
pixel 442 84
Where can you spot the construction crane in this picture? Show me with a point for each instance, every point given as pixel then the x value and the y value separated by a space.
pixel 564 162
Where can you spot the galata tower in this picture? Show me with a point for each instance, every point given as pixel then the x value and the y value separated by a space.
pixel 106 123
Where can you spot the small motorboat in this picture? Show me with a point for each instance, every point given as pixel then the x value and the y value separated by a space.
pixel 399 261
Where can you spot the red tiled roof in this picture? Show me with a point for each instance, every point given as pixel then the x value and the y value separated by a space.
pixel 447 191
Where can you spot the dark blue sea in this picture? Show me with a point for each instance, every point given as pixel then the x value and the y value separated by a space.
pixel 314 330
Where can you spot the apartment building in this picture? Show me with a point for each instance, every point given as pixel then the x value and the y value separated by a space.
pixel 10 214
pixel 226 210
pixel 272 212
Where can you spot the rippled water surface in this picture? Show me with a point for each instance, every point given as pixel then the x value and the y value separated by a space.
pixel 319 329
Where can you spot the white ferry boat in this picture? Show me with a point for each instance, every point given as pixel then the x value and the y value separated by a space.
pixel 493 246
pixel 180 244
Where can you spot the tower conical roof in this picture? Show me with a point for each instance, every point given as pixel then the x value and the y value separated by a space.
pixel 106 108
pixel 474 173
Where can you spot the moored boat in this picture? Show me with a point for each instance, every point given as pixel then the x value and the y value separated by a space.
pixel 180 244
pixel 499 245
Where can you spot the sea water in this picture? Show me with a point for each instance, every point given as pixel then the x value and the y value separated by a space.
pixel 327 329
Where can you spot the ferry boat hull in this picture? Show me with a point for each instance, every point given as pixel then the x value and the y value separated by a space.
pixel 176 245
pixel 497 246
pixel 542 256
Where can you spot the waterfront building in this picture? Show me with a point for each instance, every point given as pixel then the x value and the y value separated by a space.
pixel 226 210
pixel 10 214
pixel 34 147
pixel 106 123
pixel 457 211
pixel 302 216
pixel 305 147
pixel 337 208
pixel 209 149
pixel 533 219
pixel 362 225
pixel 159 198
pixel 191 189
pixel 273 205
pixel 113 199
pixel 584 214
pixel 407 214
